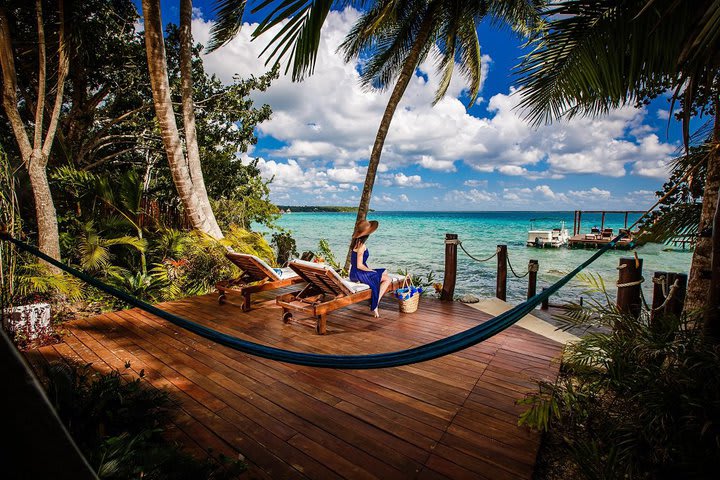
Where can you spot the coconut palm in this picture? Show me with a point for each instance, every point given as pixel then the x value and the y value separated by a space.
pixel 398 35
pixel 600 55
pixel 186 172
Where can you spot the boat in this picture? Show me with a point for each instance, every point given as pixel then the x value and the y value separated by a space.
pixel 556 237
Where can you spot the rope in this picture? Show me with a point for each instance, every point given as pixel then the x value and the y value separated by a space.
pixel 634 283
pixel 477 259
pixel 513 270
pixel 668 296
pixel 429 351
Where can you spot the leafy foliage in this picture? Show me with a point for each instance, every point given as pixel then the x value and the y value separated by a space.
pixel 285 247
pixel 118 423
pixel 639 399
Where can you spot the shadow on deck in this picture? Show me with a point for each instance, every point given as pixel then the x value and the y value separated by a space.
pixel 453 417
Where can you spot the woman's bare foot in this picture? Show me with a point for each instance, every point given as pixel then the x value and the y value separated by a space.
pixel 376 313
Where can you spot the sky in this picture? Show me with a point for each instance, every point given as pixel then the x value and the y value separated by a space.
pixel 443 157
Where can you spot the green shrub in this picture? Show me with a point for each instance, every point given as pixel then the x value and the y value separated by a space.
pixel 641 400
pixel 119 422
pixel 285 247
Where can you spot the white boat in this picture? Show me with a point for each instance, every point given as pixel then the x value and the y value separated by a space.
pixel 557 237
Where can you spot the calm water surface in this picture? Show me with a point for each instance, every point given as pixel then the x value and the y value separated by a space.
pixel 415 241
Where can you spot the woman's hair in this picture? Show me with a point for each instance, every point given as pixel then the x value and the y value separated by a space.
pixel 359 241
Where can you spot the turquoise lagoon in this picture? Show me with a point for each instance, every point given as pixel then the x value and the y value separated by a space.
pixel 415 241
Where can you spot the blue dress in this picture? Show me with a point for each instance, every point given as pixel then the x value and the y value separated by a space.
pixel 371 278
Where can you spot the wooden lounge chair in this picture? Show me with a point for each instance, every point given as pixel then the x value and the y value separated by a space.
pixel 326 291
pixel 257 276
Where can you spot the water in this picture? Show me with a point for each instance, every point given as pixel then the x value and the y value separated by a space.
pixel 415 241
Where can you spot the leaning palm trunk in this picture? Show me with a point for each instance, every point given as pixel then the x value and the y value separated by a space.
pixel 157 65
pixel 191 142
pixel 404 78
pixel 699 281
pixel 35 155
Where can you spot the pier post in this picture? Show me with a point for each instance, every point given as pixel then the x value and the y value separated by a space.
pixel 628 286
pixel 501 285
pixel 448 289
pixel 533 267
pixel 545 303
pixel 663 285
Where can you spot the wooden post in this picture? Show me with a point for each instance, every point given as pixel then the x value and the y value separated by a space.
pixel 533 267
pixel 663 283
pixel 448 289
pixel 579 220
pixel 602 222
pixel 575 223
pixel 501 285
pixel 545 303
pixel 628 292
pixel 626 219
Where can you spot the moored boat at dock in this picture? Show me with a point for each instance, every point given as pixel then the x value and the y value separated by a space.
pixel 556 237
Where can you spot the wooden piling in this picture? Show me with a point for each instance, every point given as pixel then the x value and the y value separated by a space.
pixel 629 285
pixel 501 284
pixel 448 289
pixel 663 285
pixel 533 267
pixel 545 303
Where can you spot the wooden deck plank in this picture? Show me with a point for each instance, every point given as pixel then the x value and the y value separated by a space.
pixel 453 417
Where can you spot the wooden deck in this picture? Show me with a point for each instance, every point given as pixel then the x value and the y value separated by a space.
pixel 454 417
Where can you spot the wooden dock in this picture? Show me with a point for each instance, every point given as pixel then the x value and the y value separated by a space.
pixel 453 417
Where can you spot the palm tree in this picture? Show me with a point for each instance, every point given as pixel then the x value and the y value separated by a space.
pixel 186 171
pixel 399 34
pixel 35 155
pixel 600 55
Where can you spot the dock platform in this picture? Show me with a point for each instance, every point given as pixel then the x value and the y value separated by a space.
pixel 453 417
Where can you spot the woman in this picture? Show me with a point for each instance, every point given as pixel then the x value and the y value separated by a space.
pixel 377 279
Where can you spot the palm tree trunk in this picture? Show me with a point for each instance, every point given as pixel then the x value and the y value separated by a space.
pixel 404 78
pixel 191 143
pixel 157 66
pixel 700 269
pixel 711 324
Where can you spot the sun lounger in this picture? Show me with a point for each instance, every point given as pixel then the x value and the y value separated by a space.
pixel 257 276
pixel 326 291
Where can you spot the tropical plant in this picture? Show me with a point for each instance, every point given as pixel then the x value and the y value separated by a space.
pixel 285 247
pixel 35 155
pixel 118 422
pixel 637 398
pixel 399 34
pixel 35 282
pixel 395 35
pixel 326 254
pixel 597 55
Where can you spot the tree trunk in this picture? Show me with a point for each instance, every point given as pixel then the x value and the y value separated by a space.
pixel 711 325
pixel 48 235
pixel 700 269
pixel 157 65
pixel 188 107
pixel 35 155
pixel 406 74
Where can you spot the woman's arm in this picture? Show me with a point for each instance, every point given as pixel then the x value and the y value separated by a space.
pixel 359 260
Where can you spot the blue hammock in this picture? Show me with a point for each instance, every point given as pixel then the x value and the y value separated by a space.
pixel 422 353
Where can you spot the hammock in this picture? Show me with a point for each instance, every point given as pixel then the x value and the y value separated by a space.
pixel 422 353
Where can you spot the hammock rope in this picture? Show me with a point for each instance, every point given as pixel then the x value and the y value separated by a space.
pixel 429 351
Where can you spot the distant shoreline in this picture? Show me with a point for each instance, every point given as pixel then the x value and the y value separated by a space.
pixel 317 209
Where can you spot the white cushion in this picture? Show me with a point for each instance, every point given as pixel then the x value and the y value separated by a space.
pixel 286 273
pixel 355 287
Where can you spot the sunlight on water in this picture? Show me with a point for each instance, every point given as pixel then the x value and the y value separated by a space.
pixel 415 240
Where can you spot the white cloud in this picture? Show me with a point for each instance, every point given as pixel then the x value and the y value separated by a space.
pixel 456 199
pixel 402 180
pixel 475 183
pixel 431 163
pixel 594 192
pixel 328 124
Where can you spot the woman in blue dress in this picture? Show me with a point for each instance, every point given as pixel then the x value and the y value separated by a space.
pixel 377 279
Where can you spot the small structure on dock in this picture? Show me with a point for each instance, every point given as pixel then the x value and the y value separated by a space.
pixel 599 237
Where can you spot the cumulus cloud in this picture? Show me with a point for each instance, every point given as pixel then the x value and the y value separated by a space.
pixel 326 126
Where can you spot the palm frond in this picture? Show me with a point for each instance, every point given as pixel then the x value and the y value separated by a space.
pixel 228 21
pixel 301 37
